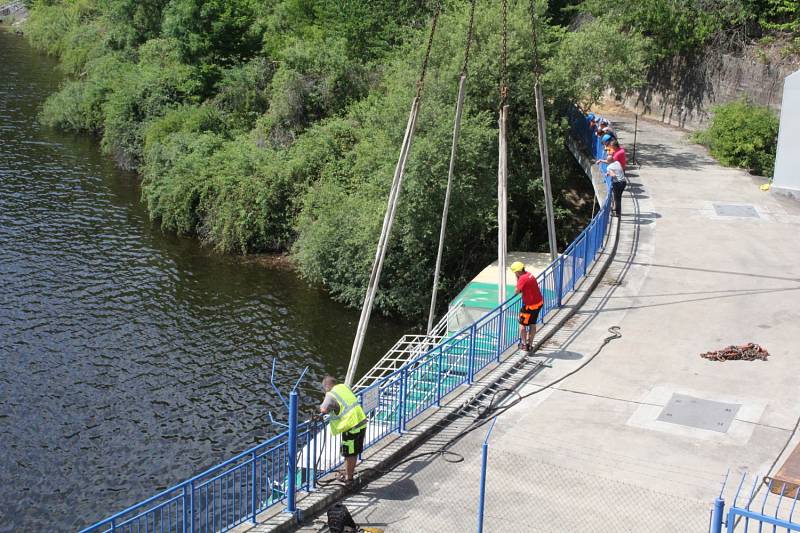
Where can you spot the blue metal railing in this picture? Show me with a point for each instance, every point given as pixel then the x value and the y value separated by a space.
pixel 260 478
pixel 764 502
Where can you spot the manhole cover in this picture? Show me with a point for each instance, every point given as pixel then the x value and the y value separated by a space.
pixel 734 210
pixel 699 413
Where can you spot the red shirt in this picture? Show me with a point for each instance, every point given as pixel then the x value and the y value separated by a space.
pixel 529 287
pixel 619 155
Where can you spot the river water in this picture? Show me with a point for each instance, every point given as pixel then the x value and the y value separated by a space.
pixel 129 359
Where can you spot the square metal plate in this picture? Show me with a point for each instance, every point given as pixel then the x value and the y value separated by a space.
pixel 734 210
pixel 699 413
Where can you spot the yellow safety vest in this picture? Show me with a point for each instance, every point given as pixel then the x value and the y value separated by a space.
pixel 350 414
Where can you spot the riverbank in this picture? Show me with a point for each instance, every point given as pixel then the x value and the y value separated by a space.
pixel 13 15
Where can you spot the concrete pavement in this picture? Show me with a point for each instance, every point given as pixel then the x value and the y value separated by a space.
pixel 610 448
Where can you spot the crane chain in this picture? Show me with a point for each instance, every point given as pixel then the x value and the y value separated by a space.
pixel 537 66
pixel 504 56
pixel 469 36
pixel 421 82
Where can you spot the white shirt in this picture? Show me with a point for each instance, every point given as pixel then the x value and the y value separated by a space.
pixel 616 172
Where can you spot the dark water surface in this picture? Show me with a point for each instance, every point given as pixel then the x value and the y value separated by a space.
pixel 129 360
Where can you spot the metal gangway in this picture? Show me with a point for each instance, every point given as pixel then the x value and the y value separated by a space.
pixel 409 347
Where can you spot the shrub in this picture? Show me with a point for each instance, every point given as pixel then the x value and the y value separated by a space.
pixel 78 105
pixel 159 82
pixel 743 135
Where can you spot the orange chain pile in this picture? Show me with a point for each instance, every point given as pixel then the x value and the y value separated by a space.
pixel 744 352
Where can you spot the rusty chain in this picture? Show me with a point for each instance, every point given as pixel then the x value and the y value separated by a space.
pixel 421 82
pixel 744 352
pixel 504 56
pixel 537 67
pixel 469 36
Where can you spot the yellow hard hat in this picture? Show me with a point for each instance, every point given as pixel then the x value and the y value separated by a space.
pixel 517 266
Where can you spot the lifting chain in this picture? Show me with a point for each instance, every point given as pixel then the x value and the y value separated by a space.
pixel 469 36
pixel 421 82
pixel 504 57
pixel 537 67
pixel 745 352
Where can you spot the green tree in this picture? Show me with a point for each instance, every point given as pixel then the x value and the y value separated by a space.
pixel 581 72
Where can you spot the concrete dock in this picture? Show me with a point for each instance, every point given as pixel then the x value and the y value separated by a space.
pixel 640 437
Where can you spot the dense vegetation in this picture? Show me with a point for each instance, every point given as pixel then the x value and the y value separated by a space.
pixel 681 27
pixel 275 125
pixel 743 135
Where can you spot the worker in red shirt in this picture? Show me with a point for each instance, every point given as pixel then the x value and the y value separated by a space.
pixel 532 303
pixel 615 152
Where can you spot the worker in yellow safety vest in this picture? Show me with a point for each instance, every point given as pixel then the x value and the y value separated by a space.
pixel 347 419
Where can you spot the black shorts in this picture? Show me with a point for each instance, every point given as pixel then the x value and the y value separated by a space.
pixel 529 315
pixel 353 442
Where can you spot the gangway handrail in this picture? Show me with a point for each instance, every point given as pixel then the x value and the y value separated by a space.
pixel 415 345
pixel 256 479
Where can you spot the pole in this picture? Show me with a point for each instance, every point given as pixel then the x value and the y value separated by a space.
pixel 383 243
pixel 484 459
pixel 456 132
pixel 548 193
pixel 502 202
pixel 635 129
pixel 482 499
pixel 717 514
pixel 292 481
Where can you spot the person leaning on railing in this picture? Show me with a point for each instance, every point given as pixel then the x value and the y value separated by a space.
pixel 618 184
pixel 614 152
pixel 532 303
pixel 347 419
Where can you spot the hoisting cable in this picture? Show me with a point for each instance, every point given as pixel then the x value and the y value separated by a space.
pixel 542 135
pixel 391 210
pixel 456 132
pixel 502 165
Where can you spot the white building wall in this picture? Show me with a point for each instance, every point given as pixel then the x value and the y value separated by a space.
pixel 787 163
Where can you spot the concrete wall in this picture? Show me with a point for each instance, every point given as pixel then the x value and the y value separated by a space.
pixel 787 162
pixel 682 91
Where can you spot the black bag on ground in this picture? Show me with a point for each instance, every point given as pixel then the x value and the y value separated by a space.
pixel 339 519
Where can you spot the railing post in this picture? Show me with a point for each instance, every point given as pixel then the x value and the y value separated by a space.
pixel 307 447
pixel 439 377
pixel 503 333
pixel 471 354
pixel 574 262
pixel 113 527
pixel 292 481
pixel 717 514
pixel 501 329
pixel 403 394
pixel 191 507
pixel 560 279
pixel 253 493
pixel 184 509
pixel 313 470
pixel 586 252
